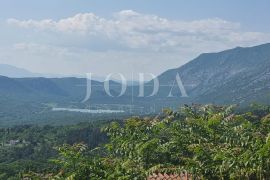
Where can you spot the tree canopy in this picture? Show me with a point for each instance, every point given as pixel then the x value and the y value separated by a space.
pixel 208 142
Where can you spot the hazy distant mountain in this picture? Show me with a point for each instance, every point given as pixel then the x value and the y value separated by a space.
pixel 239 75
pixel 15 72
pixel 12 71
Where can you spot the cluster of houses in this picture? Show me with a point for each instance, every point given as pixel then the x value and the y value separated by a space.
pixel 14 142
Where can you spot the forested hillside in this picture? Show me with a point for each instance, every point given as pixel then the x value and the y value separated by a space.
pixel 207 142
pixel 31 148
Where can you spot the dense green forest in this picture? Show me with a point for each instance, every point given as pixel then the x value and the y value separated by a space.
pixel 30 148
pixel 207 142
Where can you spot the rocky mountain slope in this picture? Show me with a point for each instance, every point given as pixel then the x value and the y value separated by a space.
pixel 238 75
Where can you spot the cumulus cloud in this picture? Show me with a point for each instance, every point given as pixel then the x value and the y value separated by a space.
pixel 87 42
pixel 78 23
pixel 142 31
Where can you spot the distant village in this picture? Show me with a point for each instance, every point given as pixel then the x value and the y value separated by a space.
pixel 14 142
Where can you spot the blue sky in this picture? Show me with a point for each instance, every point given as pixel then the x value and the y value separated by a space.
pixel 106 36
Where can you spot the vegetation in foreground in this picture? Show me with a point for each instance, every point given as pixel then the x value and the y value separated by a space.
pixel 31 148
pixel 209 142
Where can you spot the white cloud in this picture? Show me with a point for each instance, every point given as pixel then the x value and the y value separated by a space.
pixel 134 30
pixel 79 23
pixel 147 43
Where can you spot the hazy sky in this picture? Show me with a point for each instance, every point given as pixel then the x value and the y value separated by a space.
pixel 108 36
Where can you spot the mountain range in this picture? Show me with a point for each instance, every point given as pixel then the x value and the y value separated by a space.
pixel 15 72
pixel 235 76
pixel 239 75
